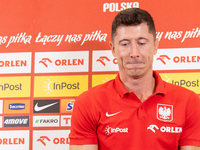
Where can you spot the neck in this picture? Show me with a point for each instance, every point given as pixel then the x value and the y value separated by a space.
pixel 142 87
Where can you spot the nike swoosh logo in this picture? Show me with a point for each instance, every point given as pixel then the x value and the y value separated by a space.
pixel 37 108
pixel 110 115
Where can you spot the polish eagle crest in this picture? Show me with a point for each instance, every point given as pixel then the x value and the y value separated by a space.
pixel 165 112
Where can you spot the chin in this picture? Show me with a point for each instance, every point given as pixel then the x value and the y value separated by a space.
pixel 135 73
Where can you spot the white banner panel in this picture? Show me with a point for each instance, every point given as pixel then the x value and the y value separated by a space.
pixel 177 59
pixel 14 140
pixel 104 61
pixel 15 63
pixel 52 62
pixel 51 139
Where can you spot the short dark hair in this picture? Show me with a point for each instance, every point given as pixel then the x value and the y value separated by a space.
pixel 133 16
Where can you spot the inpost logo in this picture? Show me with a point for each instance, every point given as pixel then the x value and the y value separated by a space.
pixel 60 85
pixel 15 86
pixel 190 81
pixel 100 79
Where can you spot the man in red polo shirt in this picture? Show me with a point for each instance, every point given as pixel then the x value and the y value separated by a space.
pixel 137 110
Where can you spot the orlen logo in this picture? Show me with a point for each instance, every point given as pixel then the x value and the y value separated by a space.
pixel 45 140
pixel 116 7
pixel 162 58
pixel 51 62
pixel 179 59
pixel 11 63
pixel 104 59
pixel 15 63
pixel 44 61
pixel 109 130
pixel 165 129
pixel 62 62
pixel 12 141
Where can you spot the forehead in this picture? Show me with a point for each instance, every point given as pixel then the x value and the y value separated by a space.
pixel 133 31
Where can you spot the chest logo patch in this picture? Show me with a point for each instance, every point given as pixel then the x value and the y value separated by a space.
pixel 165 112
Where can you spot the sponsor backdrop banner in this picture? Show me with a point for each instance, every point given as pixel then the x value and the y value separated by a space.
pixel 52 51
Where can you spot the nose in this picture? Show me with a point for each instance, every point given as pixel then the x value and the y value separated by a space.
pixel 134 51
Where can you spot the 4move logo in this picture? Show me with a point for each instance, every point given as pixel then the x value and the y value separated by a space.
pixel 16 121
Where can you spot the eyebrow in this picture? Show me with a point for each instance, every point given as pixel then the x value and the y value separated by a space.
pixel 140 38
pixel 143 38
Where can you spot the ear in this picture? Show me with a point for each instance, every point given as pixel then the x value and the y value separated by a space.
pixel 156 43
pixel 112 48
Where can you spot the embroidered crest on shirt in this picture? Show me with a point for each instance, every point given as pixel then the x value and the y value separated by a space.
pixel 165 112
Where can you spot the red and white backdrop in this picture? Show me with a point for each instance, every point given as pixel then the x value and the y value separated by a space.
pixel 51 51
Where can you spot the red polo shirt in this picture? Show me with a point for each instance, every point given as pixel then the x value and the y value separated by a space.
pixel 115 119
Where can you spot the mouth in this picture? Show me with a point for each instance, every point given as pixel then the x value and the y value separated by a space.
pixel 134 65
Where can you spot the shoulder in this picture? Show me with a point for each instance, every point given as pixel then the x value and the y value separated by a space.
pixel 181 93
